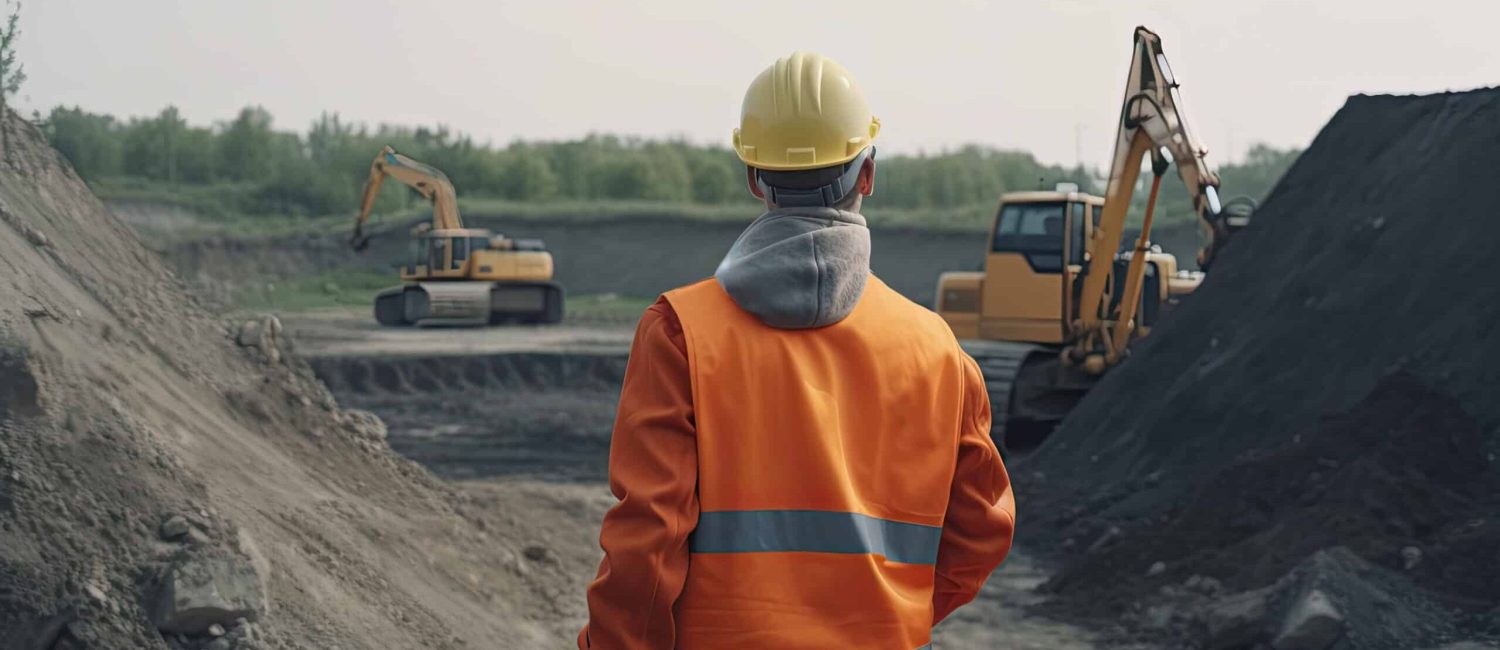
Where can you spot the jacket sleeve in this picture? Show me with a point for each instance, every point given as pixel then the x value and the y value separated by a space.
pixel 981 518
pixel 653 472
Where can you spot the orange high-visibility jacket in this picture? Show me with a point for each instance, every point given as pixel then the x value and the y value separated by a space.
pixel 820 488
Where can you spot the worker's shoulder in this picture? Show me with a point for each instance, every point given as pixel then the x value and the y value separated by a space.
pixel 706 284
pixel 925 333
pixel 925 320
pixel 660 310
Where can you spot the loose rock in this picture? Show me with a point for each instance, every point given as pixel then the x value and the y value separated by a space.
pixel 1237 620
pixel 1105 540
pixel 537 553
pixel 1312 624
pixel 198 593
pixel 1411 556
pixel 262 334
pixel 174 527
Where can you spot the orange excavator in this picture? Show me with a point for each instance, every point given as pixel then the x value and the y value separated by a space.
pixel 458 276
pixel 1055 306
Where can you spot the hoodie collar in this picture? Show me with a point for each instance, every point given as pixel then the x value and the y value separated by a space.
pixel 799 268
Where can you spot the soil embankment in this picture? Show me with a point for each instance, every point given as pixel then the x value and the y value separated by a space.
pixel 1328 394
pixel 167 481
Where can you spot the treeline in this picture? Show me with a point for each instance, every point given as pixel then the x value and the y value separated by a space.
pixel 321 170
pixel 254 168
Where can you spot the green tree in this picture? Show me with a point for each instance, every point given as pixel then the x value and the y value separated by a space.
pixel 247 146
pixel 328 139
pixel 90 142
pixel 716 176
pixel 12 73
pixel 528 174
pixel 196 156
pixel 151 145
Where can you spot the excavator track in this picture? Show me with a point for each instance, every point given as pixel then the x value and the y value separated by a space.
pixel 1030 391
pixel 1000 362
pixel 469 304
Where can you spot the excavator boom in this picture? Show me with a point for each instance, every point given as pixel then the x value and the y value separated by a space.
pixel 432 184
pixel 1152 122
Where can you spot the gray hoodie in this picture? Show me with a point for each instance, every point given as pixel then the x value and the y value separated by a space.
pixel 797 268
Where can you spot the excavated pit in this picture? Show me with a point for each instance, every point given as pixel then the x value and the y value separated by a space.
pixel 543 415
pixel 522 371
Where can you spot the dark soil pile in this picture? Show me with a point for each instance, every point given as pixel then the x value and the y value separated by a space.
pixel 1404 469
pixel 1332 384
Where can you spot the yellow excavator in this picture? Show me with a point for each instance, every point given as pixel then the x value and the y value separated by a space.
pixel 1055 306
pixel 457 276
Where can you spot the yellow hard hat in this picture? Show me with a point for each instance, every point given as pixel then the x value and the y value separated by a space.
pixel 804 112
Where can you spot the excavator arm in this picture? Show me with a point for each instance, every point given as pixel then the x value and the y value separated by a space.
pixel 1151 122
pixel 425 179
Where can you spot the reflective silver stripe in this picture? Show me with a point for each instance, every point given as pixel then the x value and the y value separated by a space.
pixel 815 531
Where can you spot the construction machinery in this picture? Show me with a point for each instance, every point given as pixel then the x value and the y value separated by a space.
pixel 457 276
pixel 1056 306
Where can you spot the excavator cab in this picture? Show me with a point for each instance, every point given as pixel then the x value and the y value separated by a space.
pixel 1038 248
pixel 444 254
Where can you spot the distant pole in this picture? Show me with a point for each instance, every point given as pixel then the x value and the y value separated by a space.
pixel 1078 144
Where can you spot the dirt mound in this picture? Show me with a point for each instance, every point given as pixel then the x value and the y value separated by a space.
pixel 1331 384
pixel 170 482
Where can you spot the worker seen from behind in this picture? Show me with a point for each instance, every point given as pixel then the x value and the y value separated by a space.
pixel 801 455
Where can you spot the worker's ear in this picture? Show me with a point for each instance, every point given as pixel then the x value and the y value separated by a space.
pixel 866 183
pixel 754 186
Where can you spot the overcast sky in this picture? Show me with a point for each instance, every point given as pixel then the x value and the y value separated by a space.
pixel 1032 75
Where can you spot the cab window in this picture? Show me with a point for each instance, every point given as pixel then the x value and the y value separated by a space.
pixel 460 251
pixel 418 252
pixel 1034 230
pixel 438 255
